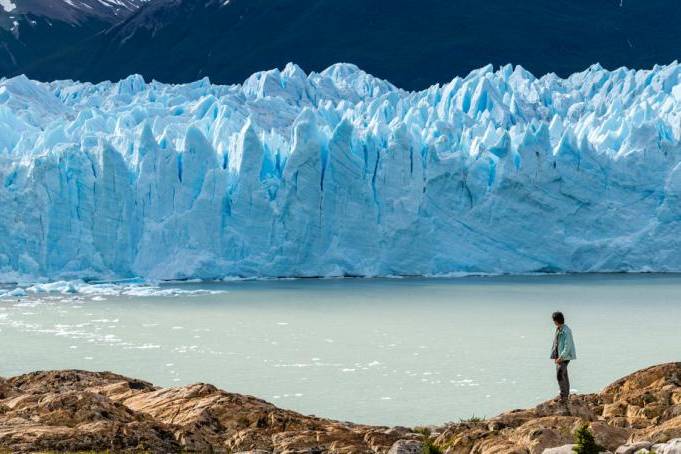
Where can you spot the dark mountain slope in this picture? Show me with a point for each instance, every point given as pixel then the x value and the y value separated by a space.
pixel 71 11
pixel 31 30
pixel 411 43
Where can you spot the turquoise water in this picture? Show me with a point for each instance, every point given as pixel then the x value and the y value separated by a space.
pixel 398 351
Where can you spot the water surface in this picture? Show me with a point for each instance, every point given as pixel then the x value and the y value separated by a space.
pixel 397 351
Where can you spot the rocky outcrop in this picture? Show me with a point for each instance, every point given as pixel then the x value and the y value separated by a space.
pixel 78 410
pixel 642 407
pixel 64 411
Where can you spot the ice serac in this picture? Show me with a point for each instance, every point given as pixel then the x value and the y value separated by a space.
pixel 340 173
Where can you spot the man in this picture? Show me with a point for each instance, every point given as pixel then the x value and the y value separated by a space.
pixel 562 353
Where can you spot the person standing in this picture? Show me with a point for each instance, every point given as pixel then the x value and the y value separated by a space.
pixel 562 353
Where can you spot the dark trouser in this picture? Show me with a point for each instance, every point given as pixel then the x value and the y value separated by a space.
pixel 563 380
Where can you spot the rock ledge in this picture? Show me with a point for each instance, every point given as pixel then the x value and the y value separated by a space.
pixel 75 410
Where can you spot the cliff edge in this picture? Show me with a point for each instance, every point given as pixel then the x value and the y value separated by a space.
pixel 71 411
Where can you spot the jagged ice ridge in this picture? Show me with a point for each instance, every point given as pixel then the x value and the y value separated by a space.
pixel 341 173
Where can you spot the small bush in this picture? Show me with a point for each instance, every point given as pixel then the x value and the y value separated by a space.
pixel 425 431
pixel 430 448
pixel 585 442
pixel 428 445
pixel 471 419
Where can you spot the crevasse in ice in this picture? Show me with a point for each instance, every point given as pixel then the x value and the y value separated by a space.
pixel 341 173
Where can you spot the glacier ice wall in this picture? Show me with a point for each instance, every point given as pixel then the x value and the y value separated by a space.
pixel 340 173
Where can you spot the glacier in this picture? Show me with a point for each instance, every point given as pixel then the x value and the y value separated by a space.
pixel 340 173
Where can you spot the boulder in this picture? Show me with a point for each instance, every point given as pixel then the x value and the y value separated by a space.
pixel 608 436
pixel 633 448
pixel 660 433
pixel 671 447
pixel 406 447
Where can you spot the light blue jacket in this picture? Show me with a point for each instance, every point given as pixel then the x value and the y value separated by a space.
pixel 566 345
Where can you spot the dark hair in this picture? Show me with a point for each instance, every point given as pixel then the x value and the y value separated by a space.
pixel 558 317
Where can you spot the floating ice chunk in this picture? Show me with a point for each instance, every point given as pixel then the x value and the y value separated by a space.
pixel 97 292
pixel 16 293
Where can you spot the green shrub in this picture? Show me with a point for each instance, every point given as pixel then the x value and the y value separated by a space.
pixel 430 448
pixel 425 431
pixel 585 442
pixel 471 419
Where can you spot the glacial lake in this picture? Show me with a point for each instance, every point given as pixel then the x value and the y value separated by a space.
pixel 382 351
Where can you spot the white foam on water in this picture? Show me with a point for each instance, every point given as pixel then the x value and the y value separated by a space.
pixel 97 291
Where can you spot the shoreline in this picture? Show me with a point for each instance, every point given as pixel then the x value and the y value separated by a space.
pixel 229 279
pixel 138 287
pixel 97 411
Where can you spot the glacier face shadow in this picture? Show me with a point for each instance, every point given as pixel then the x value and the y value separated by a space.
pixel 340 173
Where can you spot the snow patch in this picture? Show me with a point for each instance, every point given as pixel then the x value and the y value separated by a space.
pixel 8 5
